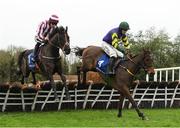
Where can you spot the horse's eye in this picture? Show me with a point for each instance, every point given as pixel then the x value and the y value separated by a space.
pixel 147 59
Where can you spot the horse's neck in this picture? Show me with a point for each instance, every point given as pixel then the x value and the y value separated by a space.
pixel 50 50
pixel 52 43
pixel 134 65
pixel 55 39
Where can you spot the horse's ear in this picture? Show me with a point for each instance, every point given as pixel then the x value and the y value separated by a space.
pixel 66 28
pixel 146 49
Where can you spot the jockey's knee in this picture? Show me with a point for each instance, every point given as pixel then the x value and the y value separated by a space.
pixel 113 56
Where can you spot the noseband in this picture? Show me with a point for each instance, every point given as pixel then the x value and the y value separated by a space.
pixel 56 46
pixel 139 65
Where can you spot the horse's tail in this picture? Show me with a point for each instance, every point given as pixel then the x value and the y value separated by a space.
pixel 78 51
pixel 20 58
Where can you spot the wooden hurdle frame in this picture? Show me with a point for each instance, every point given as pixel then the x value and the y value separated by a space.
pixel 166 92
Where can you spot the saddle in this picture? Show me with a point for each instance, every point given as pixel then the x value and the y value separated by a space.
pixel 103 62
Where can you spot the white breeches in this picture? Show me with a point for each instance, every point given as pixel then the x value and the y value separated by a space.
pixel 111 51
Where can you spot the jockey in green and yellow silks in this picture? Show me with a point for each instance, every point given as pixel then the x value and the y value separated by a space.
pixel 115 43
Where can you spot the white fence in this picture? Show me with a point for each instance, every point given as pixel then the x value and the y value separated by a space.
pixel 162 91
pixel 146 94
pixel 166 74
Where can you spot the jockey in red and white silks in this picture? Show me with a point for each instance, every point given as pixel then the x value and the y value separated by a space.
pixel 45 27
pixel 43 31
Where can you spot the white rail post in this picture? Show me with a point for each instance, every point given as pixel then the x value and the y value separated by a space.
pixel 5 101
pixel 22 99
pixel 92 105
pixel 110 97
pixel 61 100
pixel 87 95
pixel 34 102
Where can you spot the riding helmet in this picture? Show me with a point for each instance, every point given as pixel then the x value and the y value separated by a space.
pixel 54 19
pixel 124 25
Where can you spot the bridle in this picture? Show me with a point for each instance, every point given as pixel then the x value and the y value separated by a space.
pixel 140 65
pixel 58 47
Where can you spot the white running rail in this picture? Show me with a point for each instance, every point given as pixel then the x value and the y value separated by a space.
pixel 165 74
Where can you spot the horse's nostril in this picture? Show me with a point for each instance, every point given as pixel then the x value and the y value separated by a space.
pixel 67 51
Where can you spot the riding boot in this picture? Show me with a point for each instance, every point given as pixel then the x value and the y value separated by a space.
pixel 36 51
pixel 111 66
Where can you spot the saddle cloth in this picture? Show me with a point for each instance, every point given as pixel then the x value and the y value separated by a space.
pixel 31 61
pixel 102 63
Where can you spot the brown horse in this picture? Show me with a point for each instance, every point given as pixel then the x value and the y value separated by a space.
pixel 49 60
pixel 124 73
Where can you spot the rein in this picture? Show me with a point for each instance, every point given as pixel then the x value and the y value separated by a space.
pixel 51 58
pixel 130 72
pixel 49 42
pixel 53 44
pixel 140 65
pixel 127 70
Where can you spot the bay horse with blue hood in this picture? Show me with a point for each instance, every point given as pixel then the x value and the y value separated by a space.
pixel 124 71
pixel 49 60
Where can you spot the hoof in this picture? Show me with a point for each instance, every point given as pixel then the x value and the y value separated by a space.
pixel 56 100
pixel 119 115
pixel 68 97
pixel 145 118
pixel 30 85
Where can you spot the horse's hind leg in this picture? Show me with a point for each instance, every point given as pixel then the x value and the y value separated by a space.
pixel 63 78
pixel 79 69
pixel 84 78
pixel 120 105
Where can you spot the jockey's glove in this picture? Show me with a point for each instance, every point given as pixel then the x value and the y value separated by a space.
pixel 121 47
pixel 46 38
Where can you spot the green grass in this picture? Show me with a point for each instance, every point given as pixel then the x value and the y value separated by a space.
pixel 91 118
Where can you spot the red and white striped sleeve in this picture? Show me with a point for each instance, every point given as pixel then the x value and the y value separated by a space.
pixel 40 30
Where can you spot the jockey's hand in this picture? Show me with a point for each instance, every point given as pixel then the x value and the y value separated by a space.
pixel 120 48
pixel 46 38
pixel 128 53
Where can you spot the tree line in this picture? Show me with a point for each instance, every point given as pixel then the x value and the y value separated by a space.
pixel 165 51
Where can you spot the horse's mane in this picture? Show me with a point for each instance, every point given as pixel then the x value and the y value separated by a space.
pixel 58 29
pixel 78 51
pixel 145 51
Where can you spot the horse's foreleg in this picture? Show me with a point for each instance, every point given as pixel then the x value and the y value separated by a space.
pixel 84 77
pixel 26 77
pixel 22 80
pixel 63 78
pixel 54 88
pixel 78 75
pixel 134 104
pixel 120 105
pixel 34 78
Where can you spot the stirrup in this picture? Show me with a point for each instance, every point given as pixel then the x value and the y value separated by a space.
pixel 36 65
pixel 111 72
